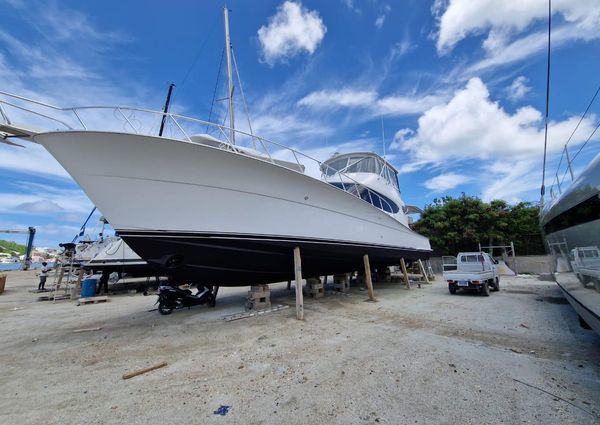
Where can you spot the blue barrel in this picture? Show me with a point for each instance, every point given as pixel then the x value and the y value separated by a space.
pixel 88 288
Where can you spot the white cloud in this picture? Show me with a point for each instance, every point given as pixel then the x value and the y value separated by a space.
pixel 385 9
pixel 34 198
pixel 471 125
pixel 34 159
pixel 338 98
pixel 506 148
pixel 518 89
pixel 291 31
pixel 350 5
pixel 445 182
pixel 368 99
pixel 39 207
pixel 459 19
pixel 401 48
pixel 529 45
pixel 407 104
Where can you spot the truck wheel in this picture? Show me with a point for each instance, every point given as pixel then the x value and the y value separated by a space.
pixel 497 284
pixel 485 291
pixel 452 288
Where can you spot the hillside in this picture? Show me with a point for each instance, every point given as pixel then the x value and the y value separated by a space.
pixel 10 247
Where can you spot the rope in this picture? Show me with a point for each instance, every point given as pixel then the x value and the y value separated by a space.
pixel 212 104
pixel 237 73
pixel 543 189
pixel 573 133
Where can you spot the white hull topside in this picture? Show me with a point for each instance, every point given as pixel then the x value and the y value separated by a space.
pixel 152 184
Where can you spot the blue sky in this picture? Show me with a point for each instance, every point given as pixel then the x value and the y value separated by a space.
pixel 459 84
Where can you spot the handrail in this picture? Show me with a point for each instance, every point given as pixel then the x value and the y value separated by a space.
pixel 177 119
pixel 569 161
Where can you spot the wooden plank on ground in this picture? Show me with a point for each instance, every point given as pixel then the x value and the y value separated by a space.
pixel 145 370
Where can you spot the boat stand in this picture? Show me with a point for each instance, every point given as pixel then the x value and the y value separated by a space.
pixel 368 277
pixel 298 275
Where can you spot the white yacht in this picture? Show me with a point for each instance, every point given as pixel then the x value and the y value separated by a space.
pixel 222 211
pixel 117 256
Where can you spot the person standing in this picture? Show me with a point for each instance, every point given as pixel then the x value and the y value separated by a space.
pixel 43 276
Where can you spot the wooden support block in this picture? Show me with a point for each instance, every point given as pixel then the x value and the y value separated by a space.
pixel 298 274
pixel 423 271
pixel 93 300
pixel 387 275
pixel 368 277
pixel 405 273
pixel 316 289
pixel 145 370
pixel 341 282
pixel 259 297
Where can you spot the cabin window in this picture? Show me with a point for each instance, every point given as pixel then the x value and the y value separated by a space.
pixel 584 212
pixel 376 199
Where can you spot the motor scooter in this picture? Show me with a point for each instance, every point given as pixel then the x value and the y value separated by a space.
pixel 173 297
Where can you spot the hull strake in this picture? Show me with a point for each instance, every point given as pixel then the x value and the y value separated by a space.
pixel 239 260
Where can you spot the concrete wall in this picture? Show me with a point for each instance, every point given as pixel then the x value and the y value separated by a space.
pixel 534 264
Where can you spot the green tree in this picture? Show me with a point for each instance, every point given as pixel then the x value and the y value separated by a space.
pixel 461 224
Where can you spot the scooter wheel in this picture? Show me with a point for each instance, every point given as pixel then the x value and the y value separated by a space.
pixel 164 309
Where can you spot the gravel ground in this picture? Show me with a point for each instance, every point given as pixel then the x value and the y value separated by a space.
pixel 414 357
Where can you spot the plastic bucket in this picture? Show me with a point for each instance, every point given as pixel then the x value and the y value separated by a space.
pixel 88 288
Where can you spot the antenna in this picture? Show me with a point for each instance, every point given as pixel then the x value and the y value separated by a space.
pixel 166 109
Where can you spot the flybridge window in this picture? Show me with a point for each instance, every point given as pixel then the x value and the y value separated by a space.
pixel 364 165
pixel 391 176
pixel 335 166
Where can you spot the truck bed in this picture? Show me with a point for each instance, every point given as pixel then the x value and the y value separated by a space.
pixel 466 276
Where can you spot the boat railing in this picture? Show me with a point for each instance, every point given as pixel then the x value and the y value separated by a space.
pixel 147 122
pixel 567 163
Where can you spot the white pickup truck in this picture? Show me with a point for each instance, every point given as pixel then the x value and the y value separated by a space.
pixel 585 262
pixel 471 270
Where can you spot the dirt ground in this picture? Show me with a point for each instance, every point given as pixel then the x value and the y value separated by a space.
pixel 414 357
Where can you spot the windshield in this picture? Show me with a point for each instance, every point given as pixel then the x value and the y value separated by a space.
pixel 362 164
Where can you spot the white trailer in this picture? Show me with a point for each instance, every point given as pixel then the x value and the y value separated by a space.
pixel 472 270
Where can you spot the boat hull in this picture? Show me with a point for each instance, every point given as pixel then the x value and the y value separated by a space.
pixel 571 227
pixel 233 260
pixel 219 217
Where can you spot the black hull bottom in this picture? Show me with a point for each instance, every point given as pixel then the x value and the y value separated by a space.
pixel 242 260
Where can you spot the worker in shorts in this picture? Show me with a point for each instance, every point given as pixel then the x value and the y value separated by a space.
pixel 43 276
